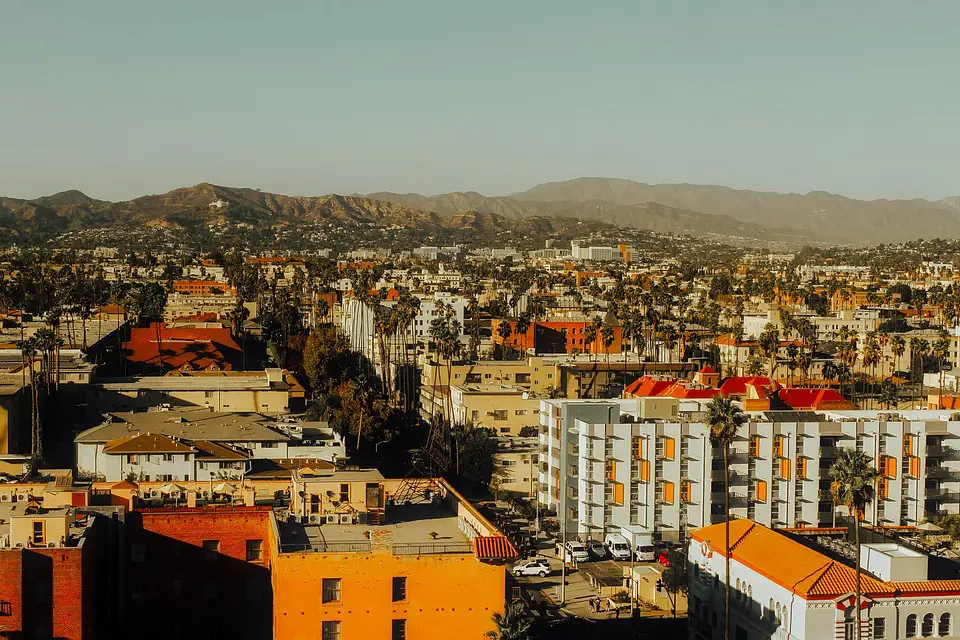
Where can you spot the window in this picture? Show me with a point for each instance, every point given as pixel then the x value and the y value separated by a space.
pixel 330 630
pixel 801 468
pixel 669 448
pixel 883 489
pixel 39 529
pixel 761 490
pixel 211 548
pixel 914 467
pixel 500 414
pixel 131 459
pixel 474 415
pixel 399 589
pixel 254 550
pixel 879 628
pixel 926 629
pixel 912 625
pixel 168 457
pixel 344 492
pixel 138 552
pixel 331 590
pixel 944 629
pixel 755 446
pixel 668 492
pixel 398 630
pixel 520 412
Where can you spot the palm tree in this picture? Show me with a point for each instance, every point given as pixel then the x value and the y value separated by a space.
pixel 504 330
pixel 769 344
pixel 897 346
pixel 515 623
pixel 589 337
pixel 521 327
pixel 724 418
pixel 940 350
pixel 852 485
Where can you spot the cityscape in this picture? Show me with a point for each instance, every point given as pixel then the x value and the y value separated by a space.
pixel 292 403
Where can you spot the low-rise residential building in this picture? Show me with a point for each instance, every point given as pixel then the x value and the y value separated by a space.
pixel 516 463
pixel 269 391
pixel 508 410
pixel 196 445
pixel 800 585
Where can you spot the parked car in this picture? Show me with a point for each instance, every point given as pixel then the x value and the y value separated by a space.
pixel 538 567
pixel 596 550
pixel 576 551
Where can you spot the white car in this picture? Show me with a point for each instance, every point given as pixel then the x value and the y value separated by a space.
pixel 576 551
pixel 532 568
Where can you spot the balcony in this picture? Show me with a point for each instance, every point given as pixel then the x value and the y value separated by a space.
pixel 942 473
pixel 943 495
pixel 940 451
pixel 831 452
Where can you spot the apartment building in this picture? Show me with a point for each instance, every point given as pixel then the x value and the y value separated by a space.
pixel 506 409
pixel 796 585
pixel 516 462
pixel 605 464
pixel 269 391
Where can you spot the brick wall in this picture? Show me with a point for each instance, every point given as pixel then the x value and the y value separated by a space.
pixel 179 590
pixel 41 592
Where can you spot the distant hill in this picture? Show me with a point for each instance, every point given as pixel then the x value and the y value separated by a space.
pixel 208 204
pixel 826 215
pixel 643 215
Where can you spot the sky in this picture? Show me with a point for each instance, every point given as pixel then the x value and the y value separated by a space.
pixel 120 99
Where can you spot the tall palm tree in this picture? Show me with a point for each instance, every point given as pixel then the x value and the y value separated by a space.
pixel 515 623
pixel 897 346
pixel 852 479
pixel 940 351
pixel 724 418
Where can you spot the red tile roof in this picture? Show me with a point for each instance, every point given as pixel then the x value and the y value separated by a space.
pixel 813 399
pixel 494 548
pixel 196 348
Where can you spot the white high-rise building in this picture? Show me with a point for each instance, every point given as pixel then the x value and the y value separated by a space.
pixel 606 464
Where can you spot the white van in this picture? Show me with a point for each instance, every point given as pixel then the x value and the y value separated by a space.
pixel 617 546
pixel 646 553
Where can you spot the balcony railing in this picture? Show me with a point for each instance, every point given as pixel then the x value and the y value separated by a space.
pixel 320 546
pixel 942 472
pixel 430 548
pixel 831 452
pixel 943 495
pixel 940 451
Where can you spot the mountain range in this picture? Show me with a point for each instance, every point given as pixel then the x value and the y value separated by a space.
pixel 674 208
pixel 817 215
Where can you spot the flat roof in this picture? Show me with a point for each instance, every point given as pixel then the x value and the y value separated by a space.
pixel 246 382
pixel 415 529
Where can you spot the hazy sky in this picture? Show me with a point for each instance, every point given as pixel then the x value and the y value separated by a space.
pixel 123 98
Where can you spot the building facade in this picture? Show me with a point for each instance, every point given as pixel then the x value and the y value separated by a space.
pixel 605 464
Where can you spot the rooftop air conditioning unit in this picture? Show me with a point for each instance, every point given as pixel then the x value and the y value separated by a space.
pixel 346 518
pixel 331 518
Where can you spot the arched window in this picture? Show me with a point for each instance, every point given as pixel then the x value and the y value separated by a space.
pixel 944 629
pixel 926 629
pixel 912 625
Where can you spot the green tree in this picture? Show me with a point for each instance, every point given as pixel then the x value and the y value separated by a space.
pixel 515 623
pixel 852 479
pixel 475 449
pixel 327 358
pixel 676 578
pixel 724 418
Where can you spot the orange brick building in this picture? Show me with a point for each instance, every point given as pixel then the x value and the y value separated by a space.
pixel 556 337
pixel 201 287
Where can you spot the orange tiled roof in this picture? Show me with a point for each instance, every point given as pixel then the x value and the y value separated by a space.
pixel 930 586
pixel 793 566
pixel 494 548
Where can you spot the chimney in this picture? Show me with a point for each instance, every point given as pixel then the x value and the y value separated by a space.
pixel 381 540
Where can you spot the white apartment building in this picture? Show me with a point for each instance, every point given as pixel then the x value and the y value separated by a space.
pixel 357 320
pixel 605 464
pixel 593 253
